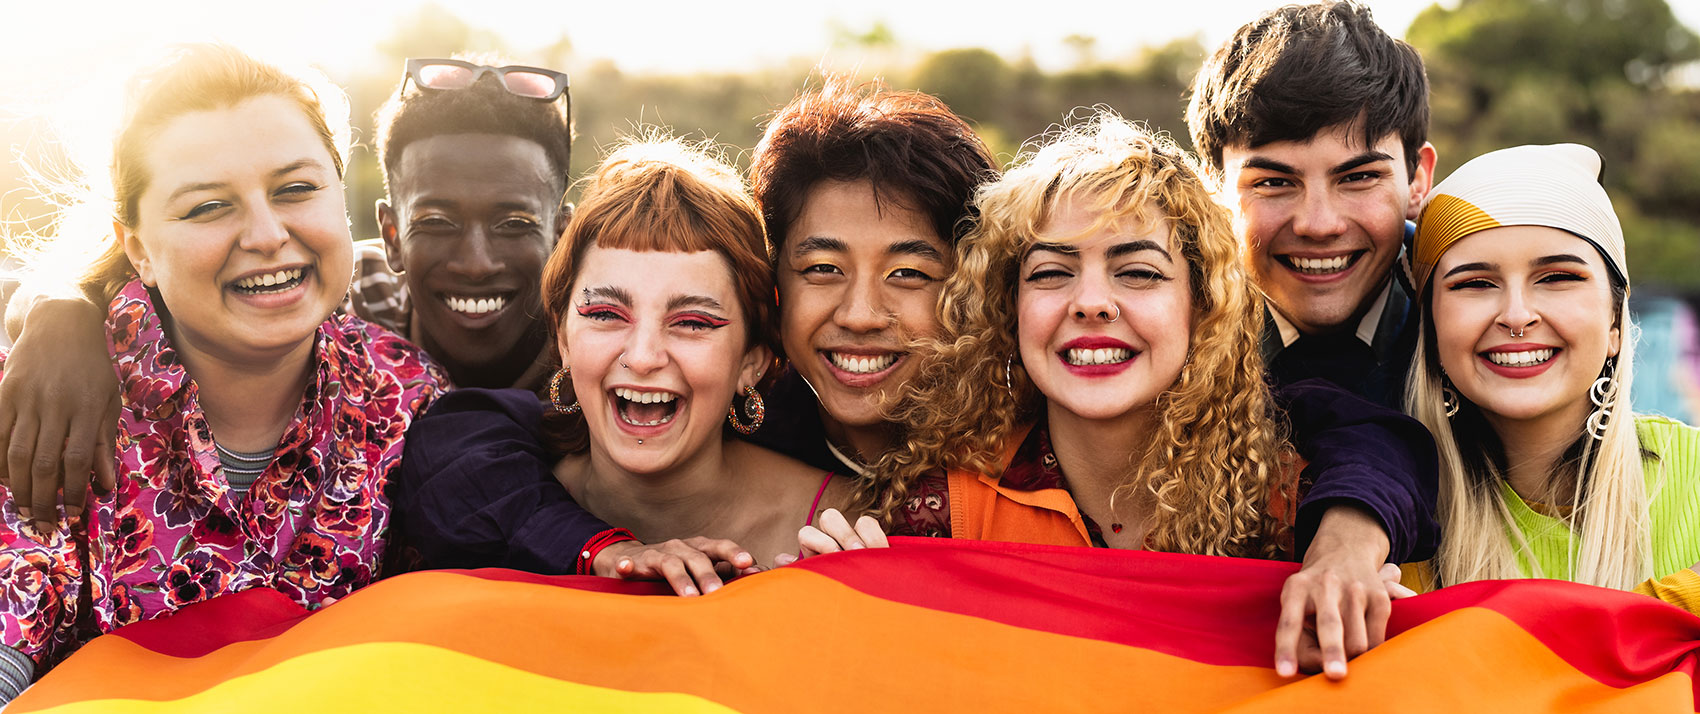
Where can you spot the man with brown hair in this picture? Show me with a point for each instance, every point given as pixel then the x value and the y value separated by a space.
pixel 1316 122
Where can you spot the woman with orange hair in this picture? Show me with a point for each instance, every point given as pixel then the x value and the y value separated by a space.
pixel 662 306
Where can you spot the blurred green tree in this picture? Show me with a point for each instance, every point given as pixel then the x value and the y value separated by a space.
pixel 1596 72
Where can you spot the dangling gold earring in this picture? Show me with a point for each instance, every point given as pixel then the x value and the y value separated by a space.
pixel 754 410
pixel 555 392
pixel 1448 396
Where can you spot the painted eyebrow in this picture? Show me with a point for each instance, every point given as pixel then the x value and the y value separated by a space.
pixel 703 301
pixel 290 167
pixel 608 292
pixel 917 248
pixel 820 244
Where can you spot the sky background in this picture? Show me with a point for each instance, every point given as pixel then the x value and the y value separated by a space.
pixel 69 42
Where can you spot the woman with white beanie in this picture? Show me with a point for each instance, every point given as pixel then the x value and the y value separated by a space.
pixel 1524 376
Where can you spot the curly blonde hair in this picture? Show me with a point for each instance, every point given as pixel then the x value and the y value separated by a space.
pixel 1216 458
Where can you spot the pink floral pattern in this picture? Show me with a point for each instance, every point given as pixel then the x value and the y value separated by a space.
pixel 173 533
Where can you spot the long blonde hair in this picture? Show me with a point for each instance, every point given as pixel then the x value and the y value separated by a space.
pixel 1608 496
pixel 1217 457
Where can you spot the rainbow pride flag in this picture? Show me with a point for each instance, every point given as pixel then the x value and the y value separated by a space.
pixel 927 626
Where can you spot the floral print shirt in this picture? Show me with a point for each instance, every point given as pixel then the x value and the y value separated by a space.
pixel 174 533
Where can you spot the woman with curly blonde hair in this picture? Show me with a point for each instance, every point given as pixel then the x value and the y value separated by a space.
pixel 1099 320
pixel 1105 337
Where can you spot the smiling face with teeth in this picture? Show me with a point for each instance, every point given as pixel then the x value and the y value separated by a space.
pixel 656 362
pixel 858 276
pixel 471 221
pixel 1322 220
pixel 243 230
pixel 1072 282
pixel 1550 286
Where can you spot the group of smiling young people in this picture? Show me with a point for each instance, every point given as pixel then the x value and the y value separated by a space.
pixel 686 376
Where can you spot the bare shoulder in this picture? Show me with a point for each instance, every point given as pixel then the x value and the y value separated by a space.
pixel 760 461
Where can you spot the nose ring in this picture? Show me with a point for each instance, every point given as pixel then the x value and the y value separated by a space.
pixel 1515 333
pixel 622 361
pixel 1118 312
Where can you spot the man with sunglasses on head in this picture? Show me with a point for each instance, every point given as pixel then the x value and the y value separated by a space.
pixel 475 162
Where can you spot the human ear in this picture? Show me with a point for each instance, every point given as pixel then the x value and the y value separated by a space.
pixel 754 366
pixel 1421 181
pixel 136 252
pixel 392 236
pixel 1614 344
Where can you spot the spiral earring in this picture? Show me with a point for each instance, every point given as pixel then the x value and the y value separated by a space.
pixel 754 410
pixel 1449 400
pixel 1009 374
pixel 555 391
pixel 1449 395
pixel 1604 389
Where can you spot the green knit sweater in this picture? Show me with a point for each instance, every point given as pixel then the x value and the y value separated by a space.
pixel 1673 487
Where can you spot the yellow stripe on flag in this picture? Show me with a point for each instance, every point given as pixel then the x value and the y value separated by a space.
pixel 402 677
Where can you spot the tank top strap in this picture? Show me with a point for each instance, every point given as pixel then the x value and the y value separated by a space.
pixel 816 504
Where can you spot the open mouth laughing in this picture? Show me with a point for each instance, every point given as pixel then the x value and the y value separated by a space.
pixel 645 408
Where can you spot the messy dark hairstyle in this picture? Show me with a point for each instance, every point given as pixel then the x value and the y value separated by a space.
pixel 908 145
pixel 1300 69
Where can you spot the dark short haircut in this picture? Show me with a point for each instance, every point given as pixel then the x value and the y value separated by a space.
pixel 486 107
pixel 1300 69
pixel 908 145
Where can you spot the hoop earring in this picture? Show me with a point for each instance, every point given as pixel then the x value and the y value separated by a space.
pixel 555 392
pixel 1449 400
pixel 754 410
pixel 1603 391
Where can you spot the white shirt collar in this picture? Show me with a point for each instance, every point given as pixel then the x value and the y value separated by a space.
pixel 1366 326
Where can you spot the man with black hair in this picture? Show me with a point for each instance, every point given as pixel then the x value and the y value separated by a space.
pixel 1316 122
pixel 476 177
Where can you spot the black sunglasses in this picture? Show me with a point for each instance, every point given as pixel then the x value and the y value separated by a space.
pixel 544 85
